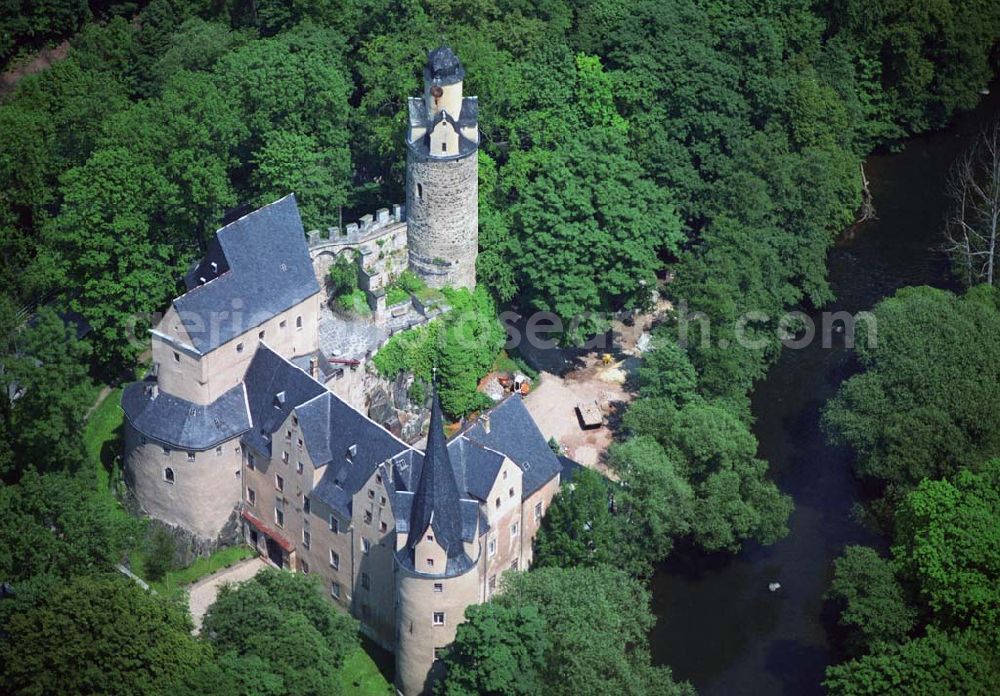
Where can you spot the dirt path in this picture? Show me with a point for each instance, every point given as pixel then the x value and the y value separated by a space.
pixel 105 391
pixel 41 61
pixel 202 594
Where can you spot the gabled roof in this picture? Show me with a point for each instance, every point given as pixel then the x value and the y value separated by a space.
pixel 274 387
pixel 513 432
pixel 437 501
pixel 479 465
pixel 350 445
pixel 263 269
pixel 181 423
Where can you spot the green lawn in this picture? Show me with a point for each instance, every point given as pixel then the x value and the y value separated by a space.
pixel 360 676
pixel 175 580
pixel 102 436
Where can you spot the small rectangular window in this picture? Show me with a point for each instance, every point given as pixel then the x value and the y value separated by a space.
pixel 177 357
pixel 218 451
pixel 251 496
pixel 514 529
pixel 250 461
pixel 305 504
pixel 444 147
pixel 371 494
pixel 513 564
pixel 304 566
pixel 366 545
pixel 190 456
pixel 439 587
pixel 279 483
pixel 298 322
pixel 492 547
pixel 365 582
pixel 284 457
pixel 383 527
pixel 300 443
pixel 166 451
pixel 439 618
pixel 306 538
pixel 368 516
pixel 279 517
pixel 334 560
pixel 335 590
pixel 334 526
pixel 299 468
pixel 493 583
pixel 260 335
pixel 239 347
pixel 430 562
pixel 538 512
pixel 288 435
pixel 440 653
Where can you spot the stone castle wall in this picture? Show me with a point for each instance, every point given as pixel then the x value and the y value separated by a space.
pixel 442 205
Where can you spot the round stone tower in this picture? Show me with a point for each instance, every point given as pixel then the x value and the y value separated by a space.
pixel 442 176
pixel 437 563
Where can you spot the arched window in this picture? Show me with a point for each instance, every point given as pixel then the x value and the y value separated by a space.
pixel 168 475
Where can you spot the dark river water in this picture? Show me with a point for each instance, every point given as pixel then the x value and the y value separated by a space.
pixel 719 627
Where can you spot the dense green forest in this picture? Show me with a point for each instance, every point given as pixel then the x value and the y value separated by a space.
pixel 719 141
pixel 923 419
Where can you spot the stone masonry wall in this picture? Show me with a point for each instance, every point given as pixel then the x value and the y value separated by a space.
pixel 442 204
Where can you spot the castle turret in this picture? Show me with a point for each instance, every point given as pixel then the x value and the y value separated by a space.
pixel 442 176
pixel 436 562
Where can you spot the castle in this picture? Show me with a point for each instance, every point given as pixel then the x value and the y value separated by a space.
pixel 238 423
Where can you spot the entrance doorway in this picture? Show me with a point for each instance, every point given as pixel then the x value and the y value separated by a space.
pixel 274 553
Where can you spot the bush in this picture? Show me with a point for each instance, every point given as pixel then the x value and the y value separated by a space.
pixel 343 276
pixel 355 301
pixel 160 556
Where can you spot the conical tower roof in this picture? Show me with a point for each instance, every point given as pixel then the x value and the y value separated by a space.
pixel 436 503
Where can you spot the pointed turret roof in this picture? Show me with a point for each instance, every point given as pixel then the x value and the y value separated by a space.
pixel 437 501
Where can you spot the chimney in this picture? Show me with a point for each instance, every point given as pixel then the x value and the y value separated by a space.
pixel 314 367
pixel 485 420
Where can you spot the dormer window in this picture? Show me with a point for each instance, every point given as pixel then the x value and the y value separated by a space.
pixel 279 399
pixel 351 451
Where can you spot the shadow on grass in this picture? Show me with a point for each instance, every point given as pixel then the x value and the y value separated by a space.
pixel 382 658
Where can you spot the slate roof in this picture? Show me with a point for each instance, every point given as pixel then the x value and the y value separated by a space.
pixel 479 465
pixel 264 268
pixel 274 386
pixel 437 501
pixel 514 433
pixel 443 67
pixel 331 428
pixel 184 425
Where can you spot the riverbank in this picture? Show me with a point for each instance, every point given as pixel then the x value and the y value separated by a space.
pixel 719 626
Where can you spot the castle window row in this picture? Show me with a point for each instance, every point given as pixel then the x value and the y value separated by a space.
pixel 241 346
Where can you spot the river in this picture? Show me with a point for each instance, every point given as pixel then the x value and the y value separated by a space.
pixel 718 624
